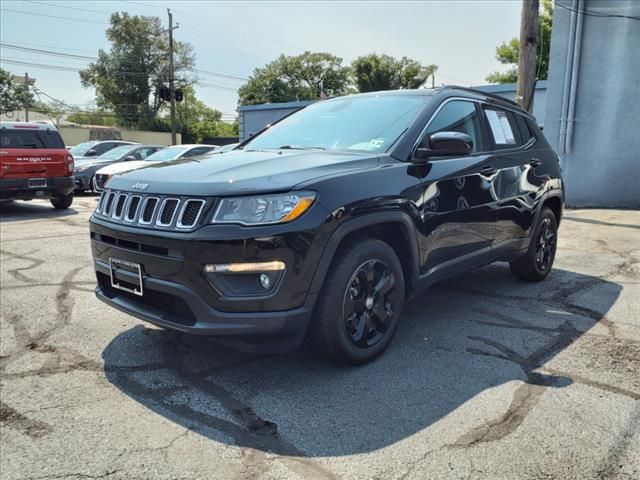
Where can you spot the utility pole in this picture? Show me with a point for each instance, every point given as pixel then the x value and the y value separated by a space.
pixel 527 55
pixel 26 104
pixel 172 86
pixel 433 80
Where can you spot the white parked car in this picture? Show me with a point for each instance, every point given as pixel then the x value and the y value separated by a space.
pixel 164 155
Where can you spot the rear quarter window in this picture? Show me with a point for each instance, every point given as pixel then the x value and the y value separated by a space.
pixel 37 139
pixel 503 129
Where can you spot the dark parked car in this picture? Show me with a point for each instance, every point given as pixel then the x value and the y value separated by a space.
pixel 95 148
pixel 86 168
pixel 324 224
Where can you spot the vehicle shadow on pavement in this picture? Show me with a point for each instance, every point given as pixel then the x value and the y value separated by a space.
pixel 20 210
pixel 455 342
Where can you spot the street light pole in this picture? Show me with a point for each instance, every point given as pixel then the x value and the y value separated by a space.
pixel 172 86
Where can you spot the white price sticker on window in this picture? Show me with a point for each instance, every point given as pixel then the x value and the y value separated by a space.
pixel 500 127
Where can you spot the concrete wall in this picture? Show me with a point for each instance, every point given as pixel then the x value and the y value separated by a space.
pixel 253 118
pixel 75 135
pixel 602 162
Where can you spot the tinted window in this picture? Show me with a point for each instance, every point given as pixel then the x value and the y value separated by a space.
pixel 116 153
pixel 369 123
pixel 30 139
pixel 197 151
pixel 458 116
pixel 143 153
pixel 82 148
pixel 170 153
pixel 503 129
pixel 104 147
pixel 525 132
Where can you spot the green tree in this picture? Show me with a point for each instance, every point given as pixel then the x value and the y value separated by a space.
pixel 299 77
pixel 97 117
pixel 197 121
pixel 128 77
pixel 375 72
pixel 508 53
pixel 13 96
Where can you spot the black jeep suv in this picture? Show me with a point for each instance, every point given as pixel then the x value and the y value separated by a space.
pixel 322 225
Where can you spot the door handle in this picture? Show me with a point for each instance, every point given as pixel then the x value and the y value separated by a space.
pixel 535 162
pixel 487 171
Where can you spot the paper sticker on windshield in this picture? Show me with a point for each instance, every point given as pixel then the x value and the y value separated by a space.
pixel 376 143
pixel 500 127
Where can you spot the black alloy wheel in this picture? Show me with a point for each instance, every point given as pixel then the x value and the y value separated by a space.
pixel 545 246
pixel 368 304
pixel 359 307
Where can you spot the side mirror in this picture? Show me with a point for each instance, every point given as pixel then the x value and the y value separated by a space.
pixel 91 153
pixel 129 158
pixel 444 144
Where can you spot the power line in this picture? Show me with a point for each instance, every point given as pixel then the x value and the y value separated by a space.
pixel 73 19
pixel 66 7
pixel 46 52
pixel 85 57
pixel 596 14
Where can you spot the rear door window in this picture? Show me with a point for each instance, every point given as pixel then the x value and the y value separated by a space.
pixel 23 139
pixel 503 129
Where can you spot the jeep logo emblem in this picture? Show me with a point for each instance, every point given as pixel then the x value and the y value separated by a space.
pixel 140 186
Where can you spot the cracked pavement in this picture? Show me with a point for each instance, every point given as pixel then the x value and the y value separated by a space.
pixel 487 377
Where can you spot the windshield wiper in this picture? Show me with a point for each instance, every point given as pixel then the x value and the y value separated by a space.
pixel 298 147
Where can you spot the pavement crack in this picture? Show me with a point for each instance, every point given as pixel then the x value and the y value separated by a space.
pixel 18 421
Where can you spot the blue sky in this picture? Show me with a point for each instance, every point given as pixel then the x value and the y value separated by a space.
pixel 235 37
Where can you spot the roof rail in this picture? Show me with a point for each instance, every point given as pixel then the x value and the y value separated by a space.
pixel 480 92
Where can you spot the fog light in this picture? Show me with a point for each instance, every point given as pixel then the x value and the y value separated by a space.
pixel 274 266
pixel 265 281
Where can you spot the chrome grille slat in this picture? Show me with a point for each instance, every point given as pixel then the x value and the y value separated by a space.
pixel 167 212
pixel 132 208
pixel 118 208
pixel 148 209
pixel 152 211
pixel 192 215
pixel 109 204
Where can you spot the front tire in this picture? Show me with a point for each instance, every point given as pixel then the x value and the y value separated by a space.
pixel 63 202
pixel 359 307
pixel 535 265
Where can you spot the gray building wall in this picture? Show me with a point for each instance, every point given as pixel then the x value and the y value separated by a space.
pixel 253 118
pixel 601 160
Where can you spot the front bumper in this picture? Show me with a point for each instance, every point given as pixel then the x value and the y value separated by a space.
pixel 178 295
pixel 27 189
pixel 83 181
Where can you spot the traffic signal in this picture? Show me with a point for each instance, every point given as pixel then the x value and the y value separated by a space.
pixel 179 96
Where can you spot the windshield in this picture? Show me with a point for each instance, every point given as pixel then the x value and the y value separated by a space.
pixel 116 153
pixel 369 123
pixel 82 148
pixel 166 154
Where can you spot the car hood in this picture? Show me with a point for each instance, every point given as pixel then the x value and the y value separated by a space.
pixel 239 172
pixel 120 167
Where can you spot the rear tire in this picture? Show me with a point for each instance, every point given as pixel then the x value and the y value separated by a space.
pixel 360 304
pixel 536 264
pixel 63 202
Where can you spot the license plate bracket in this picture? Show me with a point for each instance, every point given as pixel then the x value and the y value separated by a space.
pixel 37 182
pixel 133 283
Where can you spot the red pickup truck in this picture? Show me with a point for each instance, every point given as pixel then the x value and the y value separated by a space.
pixel 34 163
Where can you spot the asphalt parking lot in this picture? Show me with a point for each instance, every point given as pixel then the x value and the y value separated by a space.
pixel 488 377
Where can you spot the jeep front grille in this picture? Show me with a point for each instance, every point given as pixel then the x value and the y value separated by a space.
pixel 151 211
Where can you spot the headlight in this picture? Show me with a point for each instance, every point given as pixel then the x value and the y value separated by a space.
pixel 81 168
pixel 263 209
